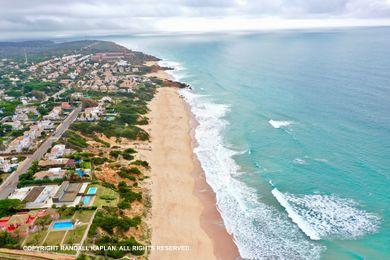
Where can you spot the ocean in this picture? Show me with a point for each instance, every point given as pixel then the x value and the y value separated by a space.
pixel 293 136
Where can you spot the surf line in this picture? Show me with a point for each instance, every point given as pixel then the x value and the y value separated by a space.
pixel 301 223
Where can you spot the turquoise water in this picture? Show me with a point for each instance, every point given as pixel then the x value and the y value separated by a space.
pixel 63 225
pixel 293 136
pixel 92 191
pixel 86 200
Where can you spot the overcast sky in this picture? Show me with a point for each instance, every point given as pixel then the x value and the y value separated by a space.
pixel 59 18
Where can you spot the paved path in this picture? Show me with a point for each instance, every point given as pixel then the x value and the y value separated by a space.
pixel 9 185
pixel 86 232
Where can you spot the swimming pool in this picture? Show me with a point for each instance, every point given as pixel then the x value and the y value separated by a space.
pixel 80 172
pixel 91 191
pixel 63 225
pixel 86 200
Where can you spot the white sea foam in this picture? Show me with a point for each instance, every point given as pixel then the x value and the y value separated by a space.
pixel 260 231
pixel 296 218
pixel 178 71
pixel 327 216
pixel 279 124
pixel 299 161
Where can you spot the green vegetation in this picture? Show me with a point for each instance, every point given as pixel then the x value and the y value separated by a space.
pixel 27 179
pixel 135 248
pixel 83 215
pixel 10 206
pixel 115 153
pixel 43 50
pixel 127 194
pixel 45 87
pixel 108 222
pixel 98 140
pixel 81 156
pixel 141 163
pixel 134 170
pixel 45 107
pixel 105 197
pixel 75 236
pixel 54 238
pixel 43 221
pixel 7 108
pixel 66 212
pixel 126 173
pixel 86 165
pixel 8 240
pixel 110 129
pixel 74 140
pixel 130 108
pixel 36 238
pixel 114 227
pixel 98 160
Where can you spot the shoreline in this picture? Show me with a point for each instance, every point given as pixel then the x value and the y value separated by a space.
pixel 204 226
pixel 211 219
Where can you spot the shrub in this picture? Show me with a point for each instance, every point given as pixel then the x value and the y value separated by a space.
pixel 142 163
pixel 128 156
pixel 7 240
pixel 98 160
pixel 115 153
pixel 134 170
pixel 9 206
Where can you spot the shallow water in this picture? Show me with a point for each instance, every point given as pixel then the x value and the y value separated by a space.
pixel 293 136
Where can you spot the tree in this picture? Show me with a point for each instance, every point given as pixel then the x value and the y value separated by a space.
pixel 6 240
pixel 9 206
pixel 43 221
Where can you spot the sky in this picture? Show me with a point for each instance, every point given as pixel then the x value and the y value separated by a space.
pixel 24 19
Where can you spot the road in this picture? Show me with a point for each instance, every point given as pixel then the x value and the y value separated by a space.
pixel 9 185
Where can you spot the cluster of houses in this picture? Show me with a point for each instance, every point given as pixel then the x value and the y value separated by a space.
pixel 8 165
pixel 22 118
pixel 25 222
pixel 40 197
pixel 96 112
pixel 29 137
pixel 54 166
pixel 69 66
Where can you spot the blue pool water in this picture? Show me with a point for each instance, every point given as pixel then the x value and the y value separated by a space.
pixel 86 200
pixel 80 172
pixel 63 225
pixel 92 191
pixel 293 136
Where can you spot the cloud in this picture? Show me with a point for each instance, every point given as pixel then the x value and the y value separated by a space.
pixel 54 18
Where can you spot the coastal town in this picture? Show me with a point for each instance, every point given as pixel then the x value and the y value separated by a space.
pixel 72 131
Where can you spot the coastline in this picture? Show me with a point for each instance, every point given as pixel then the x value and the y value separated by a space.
pixel 211 219
pixel 184 206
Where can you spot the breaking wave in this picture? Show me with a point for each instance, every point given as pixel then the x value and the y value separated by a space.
pixel 279 124
pixel 259 230
pixel 327 216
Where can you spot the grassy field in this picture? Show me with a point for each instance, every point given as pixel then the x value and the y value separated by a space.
pixel 35 239
pixel 83 215
pixel 105 197
pixel 86 165
pixel 74 236
pixel 54 238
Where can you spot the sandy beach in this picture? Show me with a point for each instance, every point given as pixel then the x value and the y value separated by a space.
pixel 183 211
